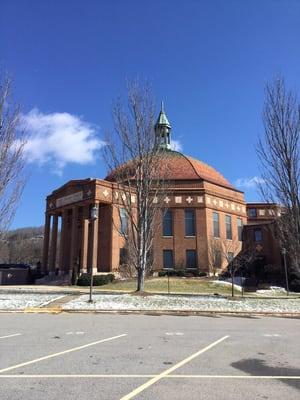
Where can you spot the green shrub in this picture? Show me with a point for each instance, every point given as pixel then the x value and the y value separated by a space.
pixel 294 285
pixel 181 273
pixel 162 273
pixel 98 280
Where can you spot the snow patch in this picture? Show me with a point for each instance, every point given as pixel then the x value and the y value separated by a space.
pixel 227 284
pixel 24 300
pixel 179 303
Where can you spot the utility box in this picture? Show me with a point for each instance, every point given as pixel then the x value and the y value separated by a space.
pixel 15 274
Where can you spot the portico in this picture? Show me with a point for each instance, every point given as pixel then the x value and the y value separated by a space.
pixel 74 242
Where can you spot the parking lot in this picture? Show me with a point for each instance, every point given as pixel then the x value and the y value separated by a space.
pixel 122 357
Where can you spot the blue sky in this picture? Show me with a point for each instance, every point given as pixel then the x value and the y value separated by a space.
pixel 208 61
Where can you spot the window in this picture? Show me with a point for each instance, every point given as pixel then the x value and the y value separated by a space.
pixel 252 212
pixel 240 229
pixel 124 221
pixel 123 256
pixel 228 227
pixel 168 259
pixel 216 229
pixel 230 256
pixel 218 259
pixel 191 259
pixel 258 235
pixel 168 223
pixel 190 222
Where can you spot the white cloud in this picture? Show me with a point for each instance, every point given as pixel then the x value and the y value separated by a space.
pixel 249 183
pixel 60 139
pixel 176 145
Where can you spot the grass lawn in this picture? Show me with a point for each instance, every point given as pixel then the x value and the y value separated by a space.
pixel 177 285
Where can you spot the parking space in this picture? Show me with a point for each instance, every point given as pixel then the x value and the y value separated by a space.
pixel 10 335
pixel 127 357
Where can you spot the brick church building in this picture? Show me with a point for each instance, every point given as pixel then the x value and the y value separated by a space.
pixel 82 219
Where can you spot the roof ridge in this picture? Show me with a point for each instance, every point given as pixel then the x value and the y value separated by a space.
pixel 226 183
pixel 187 158
pixel 209 166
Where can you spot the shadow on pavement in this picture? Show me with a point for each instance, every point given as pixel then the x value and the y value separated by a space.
pixel 256 366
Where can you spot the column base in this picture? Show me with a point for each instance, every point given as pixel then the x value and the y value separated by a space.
pixel 61 272
pixel 51 273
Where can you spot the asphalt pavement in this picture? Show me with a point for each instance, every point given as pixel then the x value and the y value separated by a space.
pixel 123 357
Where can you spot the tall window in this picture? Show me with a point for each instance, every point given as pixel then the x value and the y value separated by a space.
pixel 216 228
pixel 123 256
pixel 257 235
pixel 240 229
pixel 168 259
pixel 230 256
pixel 190 229
pixel 124 221
pixel 191 259
pixel 228 227
pixel 252 212
pixel 168 223
pixel 218 259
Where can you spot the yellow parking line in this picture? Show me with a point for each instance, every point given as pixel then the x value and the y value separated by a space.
pixel 61 353
pixel 8 336
pixel 169 370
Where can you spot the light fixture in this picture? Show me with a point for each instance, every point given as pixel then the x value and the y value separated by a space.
pixel 94 212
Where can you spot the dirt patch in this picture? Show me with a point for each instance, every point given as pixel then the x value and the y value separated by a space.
pixel 141 294
pixel 58 303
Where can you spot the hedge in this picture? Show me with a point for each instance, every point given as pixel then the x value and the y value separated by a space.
pixel 181 273
pixel 98 280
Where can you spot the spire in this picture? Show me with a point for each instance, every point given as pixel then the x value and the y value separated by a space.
pixel 162 129
pixel 162 117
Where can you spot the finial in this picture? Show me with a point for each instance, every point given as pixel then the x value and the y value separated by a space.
pixel 162 107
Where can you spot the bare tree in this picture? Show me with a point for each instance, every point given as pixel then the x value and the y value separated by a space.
pixel 136 162
pixel 214 255
pixel 228 254
pixel 11 154
pixel 278 151
pixel 236 258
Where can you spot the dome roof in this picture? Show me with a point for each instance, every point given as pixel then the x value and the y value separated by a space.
pixel 181 167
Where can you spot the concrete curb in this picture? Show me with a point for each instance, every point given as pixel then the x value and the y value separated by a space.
pixel 58 310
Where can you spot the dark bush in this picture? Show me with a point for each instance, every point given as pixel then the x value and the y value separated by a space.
pixel 272 274
pixel 295 285
pixel 98 280
pixel 170 273
pixel 294 279
pixel 162 273
pixel 195 273
pixel 181 273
